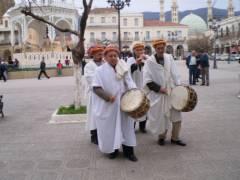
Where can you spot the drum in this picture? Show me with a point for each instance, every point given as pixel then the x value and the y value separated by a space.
pixel 135 103
pixel 184 98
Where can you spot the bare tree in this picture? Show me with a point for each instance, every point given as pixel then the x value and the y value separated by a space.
pixel 78 51
pixel 200 42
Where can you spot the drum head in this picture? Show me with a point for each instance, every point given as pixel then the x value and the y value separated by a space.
pixel 179 97
pixel 131 100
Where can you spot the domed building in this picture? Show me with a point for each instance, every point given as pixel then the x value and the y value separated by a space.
pixel 195 23
pixel 35 35
pixel 31 40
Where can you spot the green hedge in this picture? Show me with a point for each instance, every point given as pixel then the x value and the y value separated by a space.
pixel 71 110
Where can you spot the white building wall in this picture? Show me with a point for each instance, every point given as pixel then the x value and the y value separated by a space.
pixel 129 27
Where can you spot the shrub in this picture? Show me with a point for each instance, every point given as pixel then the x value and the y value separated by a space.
pixel 71 110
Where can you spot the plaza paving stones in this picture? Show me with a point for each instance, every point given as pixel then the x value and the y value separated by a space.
pixel 32 149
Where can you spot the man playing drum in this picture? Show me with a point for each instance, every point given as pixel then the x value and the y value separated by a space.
pixel 160 75
pixel 97 53
pixel 136 64
pixel 114 128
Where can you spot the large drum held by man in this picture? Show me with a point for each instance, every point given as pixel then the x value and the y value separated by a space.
pixel 184 98
pixel 135 103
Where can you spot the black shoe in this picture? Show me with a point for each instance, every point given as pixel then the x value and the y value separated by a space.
pixel 132 158
pixel 178 142
pixel 94 137
pixel 143 131
pixel 128 152
pixel 202 84
pixel 113 155
pixel 94 140
pixel 161 142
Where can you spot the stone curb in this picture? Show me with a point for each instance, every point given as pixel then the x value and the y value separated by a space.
pixel 67 119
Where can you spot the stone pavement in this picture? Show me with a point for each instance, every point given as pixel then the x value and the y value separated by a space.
pixel 32 149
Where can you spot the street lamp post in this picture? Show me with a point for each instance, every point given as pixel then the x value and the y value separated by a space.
pixel 214 26
pixel 119 5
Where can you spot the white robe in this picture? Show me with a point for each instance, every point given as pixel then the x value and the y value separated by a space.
pixel 137 77
pixel 89 71
pixel 114 128
pixel 161 112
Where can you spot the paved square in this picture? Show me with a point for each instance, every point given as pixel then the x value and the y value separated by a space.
pixel 32 149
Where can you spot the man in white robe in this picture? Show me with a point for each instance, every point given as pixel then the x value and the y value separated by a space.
pixel 114 127
pixel 160 75
pixel 136 64
pixel 97 53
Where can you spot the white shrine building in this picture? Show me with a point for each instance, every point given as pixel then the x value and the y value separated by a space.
pixel 31 39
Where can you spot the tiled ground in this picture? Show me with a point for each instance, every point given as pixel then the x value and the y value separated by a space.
pixel 31 149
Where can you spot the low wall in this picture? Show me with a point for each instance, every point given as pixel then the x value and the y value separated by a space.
pixel 33 59
pixel 34 73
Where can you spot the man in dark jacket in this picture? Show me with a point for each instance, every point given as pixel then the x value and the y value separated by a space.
pixel 204 63
pixel 191 63
pixel 43 70
pixel 3 70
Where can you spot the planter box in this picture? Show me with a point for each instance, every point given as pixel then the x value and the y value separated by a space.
pixel 68 118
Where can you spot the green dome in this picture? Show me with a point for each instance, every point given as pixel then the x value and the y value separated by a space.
pixel 195 23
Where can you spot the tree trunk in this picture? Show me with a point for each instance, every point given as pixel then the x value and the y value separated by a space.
pixel 77 74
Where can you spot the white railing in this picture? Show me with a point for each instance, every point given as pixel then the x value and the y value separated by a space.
pixel 33 59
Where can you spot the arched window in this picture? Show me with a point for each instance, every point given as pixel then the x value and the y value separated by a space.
pixel 227 31
pixel 233 29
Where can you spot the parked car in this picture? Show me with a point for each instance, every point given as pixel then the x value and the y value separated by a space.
pixel 235 57
pixel 224 57
pixel 211 57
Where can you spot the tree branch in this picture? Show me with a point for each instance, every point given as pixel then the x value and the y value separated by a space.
pixel 28 12
pixel 83 22
pixel 79 50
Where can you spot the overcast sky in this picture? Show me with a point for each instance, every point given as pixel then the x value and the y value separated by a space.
pixel 153 5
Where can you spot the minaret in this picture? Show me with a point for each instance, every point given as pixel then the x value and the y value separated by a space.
pixel 230 8
pixel 209 12
pixel 162 13
pixel 174 11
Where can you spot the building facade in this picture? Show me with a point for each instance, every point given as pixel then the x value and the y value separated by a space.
pixel 103 27
pixel 5 37
pixel 228 36
pixel 22 36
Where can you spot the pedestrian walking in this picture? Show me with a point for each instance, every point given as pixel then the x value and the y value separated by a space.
pixel 204 63
pixel 136 64
pixel 191 63
pixel 67 61
pixel 97 53
pixel 3 71
pixel 59 68
pixel 160 75
pixel 113 127
pixel 42 69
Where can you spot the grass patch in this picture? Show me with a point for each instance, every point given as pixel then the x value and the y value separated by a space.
pixel 71 110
